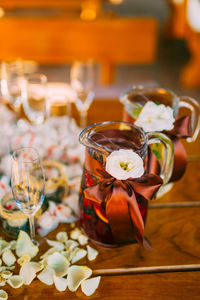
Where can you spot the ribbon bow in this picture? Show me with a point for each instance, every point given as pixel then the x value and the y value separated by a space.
pixel 182 129
pixel 119 199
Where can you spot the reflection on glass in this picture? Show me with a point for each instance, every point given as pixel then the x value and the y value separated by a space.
pixel 11 83
pixel 34 97
pixel 82 81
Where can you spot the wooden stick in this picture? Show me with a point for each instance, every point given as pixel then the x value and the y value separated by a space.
pixel 174 204
pixel 192 158
pixel 146 270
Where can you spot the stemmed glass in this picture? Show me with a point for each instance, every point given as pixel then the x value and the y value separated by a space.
pixel 12 77
pixel 59 112
pixel 28 183
pixel 82 81
pixel 34 97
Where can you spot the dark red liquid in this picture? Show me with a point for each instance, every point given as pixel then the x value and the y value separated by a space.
pixel 93 215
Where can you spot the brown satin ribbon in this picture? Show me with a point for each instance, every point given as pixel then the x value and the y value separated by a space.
pixel 119 199
pixel 182 129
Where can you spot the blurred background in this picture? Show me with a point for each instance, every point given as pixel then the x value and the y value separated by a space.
pixel 131 41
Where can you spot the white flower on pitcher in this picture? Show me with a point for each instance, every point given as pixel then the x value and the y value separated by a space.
pixel 155 117
pixel 123 164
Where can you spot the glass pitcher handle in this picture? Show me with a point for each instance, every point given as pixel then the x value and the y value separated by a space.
pixel 194 107
pixel 167 161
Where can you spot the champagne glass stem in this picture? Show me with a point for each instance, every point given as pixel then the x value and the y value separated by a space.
pixel 69 116
pixel 83 118
pixel 32 227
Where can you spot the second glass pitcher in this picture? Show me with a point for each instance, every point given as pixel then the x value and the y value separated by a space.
pixel 136 98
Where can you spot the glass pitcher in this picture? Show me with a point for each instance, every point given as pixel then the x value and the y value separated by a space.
pixel 101 140
pixel 136 97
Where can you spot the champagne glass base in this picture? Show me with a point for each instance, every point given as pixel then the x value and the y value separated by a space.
pixel 164 189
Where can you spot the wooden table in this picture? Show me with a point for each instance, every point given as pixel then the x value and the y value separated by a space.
pixel 173 232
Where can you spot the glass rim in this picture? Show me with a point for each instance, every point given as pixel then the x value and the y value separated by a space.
pixel 84 134
pixel 18 150
pixel 141 88
pixel 34 78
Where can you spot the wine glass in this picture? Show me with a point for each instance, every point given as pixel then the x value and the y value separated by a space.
pixel 34 97
pixel 28 183
pixel 82 81
pixel 12 77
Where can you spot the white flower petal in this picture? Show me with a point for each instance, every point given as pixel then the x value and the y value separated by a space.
pixel 28 271
pixel 8 258
pixel 48 252
pixel 62 236
pixel 68 254
pixel 24 259
pixel 92 253
pixel 123 164
pixel 155 117
pixel 59 263
pixel 3 246
pixel 60 283
pixel 25 245
pixel 3 295
pixel 13 245
pixel 2 268
pixel 57 245
pixel 70 244
pixel 82 239
pixel 89 286
pixel 3 282
pixel 46 276
pixel 74 234
pixel 6 274
pixel 76 275
pixel 78 254
pixel 10 268
pixel 15 281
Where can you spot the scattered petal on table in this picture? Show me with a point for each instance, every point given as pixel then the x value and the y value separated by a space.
pixel 25 245
pixel 8 258
pixel 62 236
pixel 3 246
pixel 28 271
pixel 60 283
pixel 74 234
pixel 46 276
pixel 77 274
pixel 59 263
pixel 82 239
pixel 3 295
pixel 15 281
pixel 6 274
pixel 57 245
pixel 13 245
pixel 78 254
pixel 92 253
pixel 70 244
pixel 48 252
pixel 89 286
pixel 24 259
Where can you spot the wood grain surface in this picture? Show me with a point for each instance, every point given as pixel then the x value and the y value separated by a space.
pixel 173 232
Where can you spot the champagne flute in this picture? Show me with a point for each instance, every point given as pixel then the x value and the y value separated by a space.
pixel 34 97
pixel 59 113
pixel 82 81
pixel 12 76
pixel 28 183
